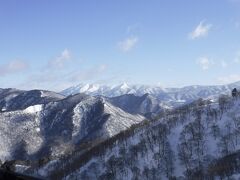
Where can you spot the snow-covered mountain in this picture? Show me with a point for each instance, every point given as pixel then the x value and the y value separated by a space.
pixel 112 91
pixel 196 141
pixel 171 97
pixel 94 137
pixel 35 124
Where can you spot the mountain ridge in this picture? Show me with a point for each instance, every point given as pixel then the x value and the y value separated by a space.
pixel 39 122
pixel 169 97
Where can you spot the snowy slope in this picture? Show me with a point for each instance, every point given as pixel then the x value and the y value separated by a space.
pixel 145 105
pixel 36 124
pixel 189 143
pixel 96 118
pixel 94 137
pixel 18 126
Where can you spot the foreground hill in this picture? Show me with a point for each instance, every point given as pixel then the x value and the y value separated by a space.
pixel 196 141
pixel 14 99
pixel 37 124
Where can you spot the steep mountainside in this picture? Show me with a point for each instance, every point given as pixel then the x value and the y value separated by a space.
pixel 145 105
pixel 36 124
pixel 196 141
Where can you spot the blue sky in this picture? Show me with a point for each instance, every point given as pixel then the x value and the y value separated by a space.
pixel 58 43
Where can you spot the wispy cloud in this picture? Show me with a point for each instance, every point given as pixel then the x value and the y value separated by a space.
pixel 59 80
pixel 128 44
pixel 224 64
pixel 201 30
pixel 237 57
pixel 229 79
pixel 60 60
pixel 205 63
pixel 48 80
pixel 88 74
pixel 133 28
pixel 13 67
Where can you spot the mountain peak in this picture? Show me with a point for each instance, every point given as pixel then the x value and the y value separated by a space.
pixel 124 86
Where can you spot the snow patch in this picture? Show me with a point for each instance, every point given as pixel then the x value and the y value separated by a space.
pixel 33 109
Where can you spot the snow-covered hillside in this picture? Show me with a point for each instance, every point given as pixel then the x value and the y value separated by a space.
pixel 196 141
pixel 171 97
pixel 94 137
pixel 36 124
pixel 13 99
pixel 146 104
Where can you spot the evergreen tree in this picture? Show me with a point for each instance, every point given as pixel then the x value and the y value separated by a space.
pixel 234 92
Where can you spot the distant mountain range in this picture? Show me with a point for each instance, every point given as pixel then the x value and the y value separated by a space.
pixel 167 97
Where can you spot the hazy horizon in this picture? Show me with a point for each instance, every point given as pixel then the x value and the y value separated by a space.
pixel 122 83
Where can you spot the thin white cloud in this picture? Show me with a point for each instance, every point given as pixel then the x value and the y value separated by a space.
pixel 13 67
pixel 201 30
pixel 205 63
pixel 102 68
pixel 128 44
pixel 237 57
pixel 229 79
pixel 48 81
pixel 224 64
pixel 88 74
pixel 57 81
pixel 61 60
pixel 133 28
